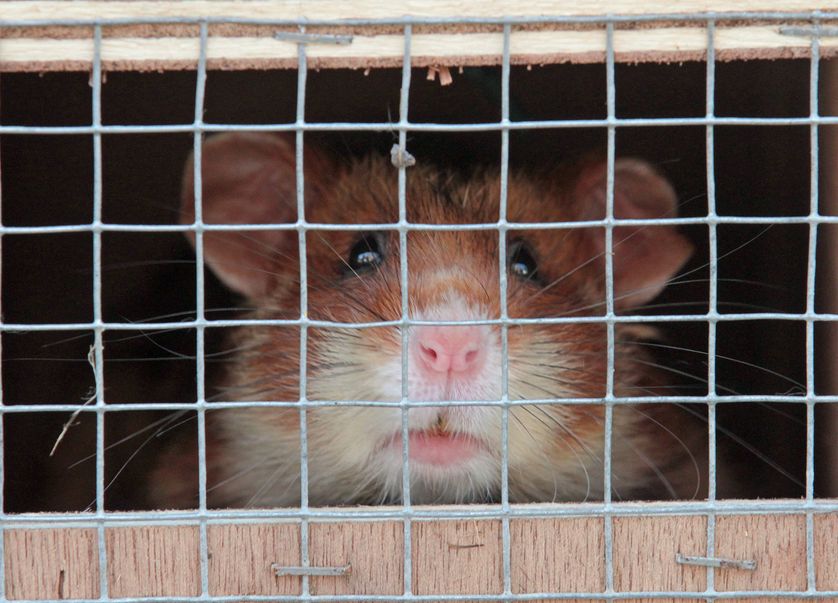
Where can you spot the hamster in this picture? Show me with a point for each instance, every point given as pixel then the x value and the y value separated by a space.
pixel 355 452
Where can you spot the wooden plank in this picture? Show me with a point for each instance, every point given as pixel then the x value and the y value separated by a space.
pixel 774 600
pixel 374 9
pixel 375 550
pixel 386 50
pixel 776 542
pixel 241 556
pixel 449 557
pixel 147 561
pixel 457 557
pixel 645 550
pixel 826 558
pixel 51 564
pixel 557 555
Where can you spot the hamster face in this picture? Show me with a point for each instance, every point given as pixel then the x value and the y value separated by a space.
pixel 354 276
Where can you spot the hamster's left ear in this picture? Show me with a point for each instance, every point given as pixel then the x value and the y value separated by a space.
pixel 645 257
pixel 250 178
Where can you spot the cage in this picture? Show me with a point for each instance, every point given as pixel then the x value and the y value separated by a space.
pixel 119 336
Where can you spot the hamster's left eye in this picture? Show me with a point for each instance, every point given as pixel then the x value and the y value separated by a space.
pixel 521 261
pixel 367 252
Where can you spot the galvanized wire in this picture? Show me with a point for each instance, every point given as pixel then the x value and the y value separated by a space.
pixel 200 331
pixel 408 513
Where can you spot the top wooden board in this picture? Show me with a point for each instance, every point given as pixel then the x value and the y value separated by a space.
pixel 396 9
pixel 45 35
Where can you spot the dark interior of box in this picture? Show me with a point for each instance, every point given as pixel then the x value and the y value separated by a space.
pixel 47 278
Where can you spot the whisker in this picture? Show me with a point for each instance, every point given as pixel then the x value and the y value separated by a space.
pixel 654 467
pixel 127 438
pixel 745 445
pixel 727 358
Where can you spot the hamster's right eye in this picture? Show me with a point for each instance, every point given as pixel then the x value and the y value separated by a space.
pixel 367 252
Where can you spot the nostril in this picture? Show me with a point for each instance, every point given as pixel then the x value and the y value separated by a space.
pixel 470 357
pixel 434 357
pixel 428 352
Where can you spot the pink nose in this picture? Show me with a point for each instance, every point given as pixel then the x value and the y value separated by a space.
pixel 456 349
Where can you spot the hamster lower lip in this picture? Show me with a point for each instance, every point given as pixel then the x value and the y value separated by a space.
pixel 437 448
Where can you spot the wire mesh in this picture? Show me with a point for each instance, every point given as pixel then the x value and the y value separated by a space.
pixel 407 513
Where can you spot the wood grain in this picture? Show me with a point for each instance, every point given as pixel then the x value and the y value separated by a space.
pixel 375 550
pixel 645 550
pixel 457 557
pixel 51 564
pixel 148 561
pixel 449 557
pixel 167 52
pixel 558 555
pixel 776 542
pixel 374 9
pixel 241 556
pixel 826 545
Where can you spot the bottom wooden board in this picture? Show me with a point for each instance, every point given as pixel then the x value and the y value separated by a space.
pixel 448 557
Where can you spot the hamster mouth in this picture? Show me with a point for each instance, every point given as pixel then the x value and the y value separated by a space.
pixel 438 447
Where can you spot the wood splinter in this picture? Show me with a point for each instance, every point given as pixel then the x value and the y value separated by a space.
pixel 464 546
pixel 61 576
pixel 444 74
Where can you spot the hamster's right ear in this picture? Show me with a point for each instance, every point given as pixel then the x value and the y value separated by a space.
pixel 248 178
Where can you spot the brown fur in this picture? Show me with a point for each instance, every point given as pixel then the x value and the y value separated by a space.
pixel 555 450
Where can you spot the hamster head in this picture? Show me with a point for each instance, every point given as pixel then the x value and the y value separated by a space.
pixel 353 275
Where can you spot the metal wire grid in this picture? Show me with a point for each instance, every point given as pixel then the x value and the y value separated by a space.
pixel 407 513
